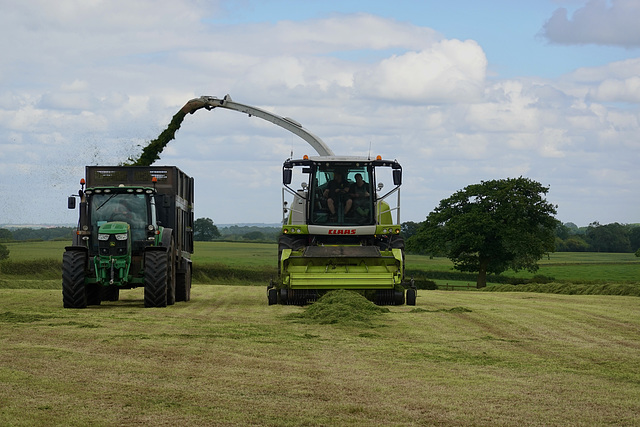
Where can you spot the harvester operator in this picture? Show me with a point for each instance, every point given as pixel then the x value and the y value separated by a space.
pixel 337 191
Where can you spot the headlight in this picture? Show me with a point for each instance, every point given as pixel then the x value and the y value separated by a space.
pixel 103 237
pixel 122 236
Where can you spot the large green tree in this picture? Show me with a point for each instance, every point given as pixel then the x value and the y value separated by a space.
pixel 204 230
pixel 491 227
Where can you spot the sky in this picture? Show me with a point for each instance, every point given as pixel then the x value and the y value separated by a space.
pixel 458 91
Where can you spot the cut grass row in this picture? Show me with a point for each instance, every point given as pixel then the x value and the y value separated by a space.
pixel 226 358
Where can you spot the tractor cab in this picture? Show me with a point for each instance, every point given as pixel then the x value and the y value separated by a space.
pixel 110 207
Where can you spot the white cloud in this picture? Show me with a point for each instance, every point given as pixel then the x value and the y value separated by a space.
pixel 448 71
pixel 73 94
pixel 606 22
pixel 617 90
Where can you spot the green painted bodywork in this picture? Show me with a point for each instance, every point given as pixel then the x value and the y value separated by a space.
pixel 359 268
pixel 114 269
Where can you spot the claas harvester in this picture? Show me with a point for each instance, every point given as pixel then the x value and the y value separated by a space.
pixel 135 229
pixel 334 235
pixel 341 230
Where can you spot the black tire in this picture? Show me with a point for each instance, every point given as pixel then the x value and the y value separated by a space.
pixel 183 284
pixel 284 296
pixel 272 296
pixel 73 288
pixel 156 279
pixel 411 296
pixel 398 297
pixel 171 274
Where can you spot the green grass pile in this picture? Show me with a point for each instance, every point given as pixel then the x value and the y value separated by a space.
pixel 343 307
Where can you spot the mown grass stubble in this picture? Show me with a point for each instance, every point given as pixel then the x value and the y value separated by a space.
pixel 226 358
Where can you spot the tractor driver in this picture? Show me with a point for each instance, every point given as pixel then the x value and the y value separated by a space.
pixel 337 191
pixel 121 213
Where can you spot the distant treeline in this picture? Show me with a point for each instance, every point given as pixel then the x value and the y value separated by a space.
pixel 22 234
pixel 234 232
pixel 250 232
pixel 596 237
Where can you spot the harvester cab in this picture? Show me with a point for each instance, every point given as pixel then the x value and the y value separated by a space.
pixel 341 230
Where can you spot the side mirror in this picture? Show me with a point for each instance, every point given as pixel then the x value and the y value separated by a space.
pixel 286 176
pixel 397 176
pixel 71 202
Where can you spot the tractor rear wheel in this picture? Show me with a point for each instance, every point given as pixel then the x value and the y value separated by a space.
pixel 183 284
pixel 171 273
pixel 73 289
pixel 156 279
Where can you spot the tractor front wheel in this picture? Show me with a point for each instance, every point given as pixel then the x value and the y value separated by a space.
pixel 156 278
pixel 73 289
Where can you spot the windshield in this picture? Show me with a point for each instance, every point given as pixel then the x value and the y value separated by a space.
pixel 127 207
pixel 341 195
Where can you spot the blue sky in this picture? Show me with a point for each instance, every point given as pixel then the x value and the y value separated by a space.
pixel 458 91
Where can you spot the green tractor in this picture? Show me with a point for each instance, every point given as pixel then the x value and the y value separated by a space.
pixel 135 229
pixel 341 230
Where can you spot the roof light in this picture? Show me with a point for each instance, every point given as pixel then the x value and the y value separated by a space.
pixel 154 179
pixel 82 181
pixel 379 157
pixel 305 157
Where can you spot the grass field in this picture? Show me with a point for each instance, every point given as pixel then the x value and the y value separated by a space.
pixel 226 358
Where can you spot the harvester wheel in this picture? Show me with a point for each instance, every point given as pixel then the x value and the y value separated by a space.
pixel 284 296
pixel 73 288
pixel 411 296
pixel 183 284
pixel 272 296
pixel 156 279
pixel 398 297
